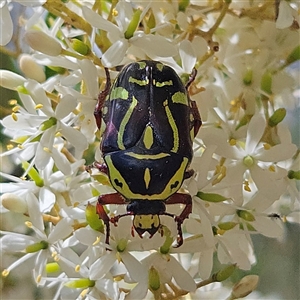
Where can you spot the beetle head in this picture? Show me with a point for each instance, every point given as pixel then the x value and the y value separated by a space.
pixel 143 223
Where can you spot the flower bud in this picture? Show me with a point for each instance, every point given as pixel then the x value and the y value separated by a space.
pixel 294 55
pixel 80 47
pixel 31 69
pixel 211 197
pixel 224 273
pixel 246 215
pixel 92 218
pixel 227 225
pixel 244 287
pixel 81 283
pixel 40 41
pixel 165 248
pixel 14 203
pixel 153 279
pixel 48 123
pixel 133 24
pixel 248 77
pixel 10 80
pixel 266 83
pixel 42 245
pixel 52 267
pixel 294 174
pixel 278 115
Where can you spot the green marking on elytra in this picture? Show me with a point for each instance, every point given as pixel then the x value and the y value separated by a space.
pixel 119 93
pixel 162 84
pixel 180 97
pixel 138 81
pixel 125 122
pixel 159 66
pixel 142 64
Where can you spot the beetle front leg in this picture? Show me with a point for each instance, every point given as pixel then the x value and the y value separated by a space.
pixel 180 198
pixel 101 99
pixel 114 198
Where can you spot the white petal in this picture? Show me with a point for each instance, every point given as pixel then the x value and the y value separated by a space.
pixel 115 53
pixel 255 131
pixel 34 211
pixel 187 55
pixel 102 266
pixel 6 24
pixel 268 226
pixel 277 153
pixel 61 230
pixel 32 3
pixel 285 17
pixel 15 242
pixel 181 276
pixel 47 199
pixel 66 105
pixel 61 161
pixel 154 45
pixel 99 22
pixel 109 288
pixel 74 137
pixel 90 77
pixel 136 270
pixel 206 263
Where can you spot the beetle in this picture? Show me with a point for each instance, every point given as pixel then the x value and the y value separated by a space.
pixel 147 144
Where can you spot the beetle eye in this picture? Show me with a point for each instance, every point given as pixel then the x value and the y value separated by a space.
pixel 118 183
pixel 175 184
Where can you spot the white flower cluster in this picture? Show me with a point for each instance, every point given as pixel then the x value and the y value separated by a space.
pixel 246 166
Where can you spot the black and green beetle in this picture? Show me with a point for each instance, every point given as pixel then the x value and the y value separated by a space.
pixel 147 144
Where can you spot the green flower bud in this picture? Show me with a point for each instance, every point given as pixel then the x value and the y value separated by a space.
pixel 14 203
pixel 42 245
pixel 165 248
pixel 211 197
pixel 266 83
pixel 227 225
pixel 80 47
pixel 183 4
pixel 244 287
pixel 224 273
pixel 294 174
pixel 133 24
pixel 294 55
pixel 92 218
pixel 52 267
pixel 246 215
pixel 153 279
pixel 33 174
pixel 48 123
pixel 243 121
pixel 278 115
pixel 247 80
pixel 40 41
pixel 82 283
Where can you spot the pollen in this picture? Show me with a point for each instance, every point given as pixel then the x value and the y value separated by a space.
pixel 115 12
pixel 267 146
pixel 5 273
pixel 46 149
pixel 9 146
pixel 272 168
pixel 77 268
pixel 38 278
pixel 16 108
pixel 28 224
pixel 14 116
pixel 246 186
pixel 39 106
pixel 12 102
pixel 97 241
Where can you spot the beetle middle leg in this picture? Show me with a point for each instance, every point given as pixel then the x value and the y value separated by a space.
pixel 114 198
pixel 180 198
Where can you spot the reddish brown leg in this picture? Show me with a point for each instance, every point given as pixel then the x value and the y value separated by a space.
pixel 180 198
pixel 101 99
pixel 196 115
pixel 114 198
